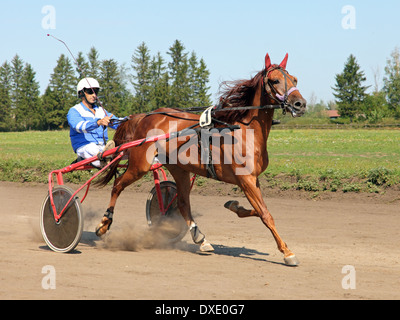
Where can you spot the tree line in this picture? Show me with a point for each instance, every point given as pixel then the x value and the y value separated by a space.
pixel 351 97
pixel 150 82
pixel 178 81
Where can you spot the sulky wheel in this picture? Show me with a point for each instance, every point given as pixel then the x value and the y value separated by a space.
pixel 62 236
pixel 172 225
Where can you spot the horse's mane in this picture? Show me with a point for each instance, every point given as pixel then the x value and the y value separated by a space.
pixel 239 93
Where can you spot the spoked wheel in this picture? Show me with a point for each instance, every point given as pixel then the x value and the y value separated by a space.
pixel 62 236
pixel 172 225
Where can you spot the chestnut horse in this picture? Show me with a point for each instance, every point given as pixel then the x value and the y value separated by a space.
pixel 246 104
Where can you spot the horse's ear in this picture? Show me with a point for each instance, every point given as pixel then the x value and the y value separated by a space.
pixel 284 62
pixel 267 62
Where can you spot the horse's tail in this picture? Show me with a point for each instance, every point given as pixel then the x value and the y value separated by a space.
pixel 108 175
pixel 124 134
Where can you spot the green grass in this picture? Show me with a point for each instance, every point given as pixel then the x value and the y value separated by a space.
pixel 311 160
pixel 31 156
pixel 319 160
pixel 351 151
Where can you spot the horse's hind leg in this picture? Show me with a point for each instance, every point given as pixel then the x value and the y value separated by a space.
pixel 132 174
pixel 183 184
pixel 252 191
pixel 119 185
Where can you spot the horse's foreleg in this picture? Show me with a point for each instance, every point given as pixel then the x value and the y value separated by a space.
pixel 252 191
pixel 239 210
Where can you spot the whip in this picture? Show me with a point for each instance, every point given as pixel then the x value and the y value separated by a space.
pixel 79 67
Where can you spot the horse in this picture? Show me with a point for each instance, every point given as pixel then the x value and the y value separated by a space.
pixel 245 104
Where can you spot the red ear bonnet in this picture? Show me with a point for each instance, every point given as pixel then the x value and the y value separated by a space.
pixel 267 62
pixel 284 62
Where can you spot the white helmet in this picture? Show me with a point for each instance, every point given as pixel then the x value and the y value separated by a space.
pixel 87 83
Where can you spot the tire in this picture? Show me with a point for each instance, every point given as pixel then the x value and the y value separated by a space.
pixel 172 226
pixel 64 236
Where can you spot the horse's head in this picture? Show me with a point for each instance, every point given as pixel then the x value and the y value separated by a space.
pixel 280 87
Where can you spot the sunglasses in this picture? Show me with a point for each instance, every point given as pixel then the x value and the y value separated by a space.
pixel 92 91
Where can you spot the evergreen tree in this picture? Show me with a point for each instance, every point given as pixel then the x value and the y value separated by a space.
pixel 5 97
pixel 60 94
pixel 82 69
pixel 93 68
pixel 178 70
pixel 198 80
pixel 392 82
pixel 114 93
pixel 127 99
pixel 203 78
pixel 350 93
pixel 159 86
pixel 30 109
pixel 142 77
pixel 17 70
pixel 181 83
pixel 192 80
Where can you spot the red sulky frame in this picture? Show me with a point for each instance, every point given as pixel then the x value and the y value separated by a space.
pixel 85 165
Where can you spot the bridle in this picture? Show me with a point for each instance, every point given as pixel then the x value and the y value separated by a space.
pixel 281 98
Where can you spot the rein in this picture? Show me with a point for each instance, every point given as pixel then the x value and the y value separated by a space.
pixel 217 108
pixel 283 99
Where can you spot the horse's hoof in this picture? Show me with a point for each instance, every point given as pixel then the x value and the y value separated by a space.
pixel 232 205
pixel 206 247
pixel 292 261
pixel 103 227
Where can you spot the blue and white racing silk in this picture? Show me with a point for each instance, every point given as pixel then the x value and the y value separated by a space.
pixel 84 128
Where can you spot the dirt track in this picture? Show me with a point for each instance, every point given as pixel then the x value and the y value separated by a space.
pixel 325 235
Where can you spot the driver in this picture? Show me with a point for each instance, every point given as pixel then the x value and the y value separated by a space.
pixel 88 123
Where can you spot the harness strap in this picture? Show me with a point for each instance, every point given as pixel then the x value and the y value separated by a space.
pixel 215 109
pixel 204 145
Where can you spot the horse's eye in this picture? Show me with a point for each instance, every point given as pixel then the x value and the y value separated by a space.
pixel 275 81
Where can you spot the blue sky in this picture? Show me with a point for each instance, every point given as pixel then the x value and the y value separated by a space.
pixel 231 36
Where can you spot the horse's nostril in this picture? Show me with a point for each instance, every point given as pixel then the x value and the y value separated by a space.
pixel 298 104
